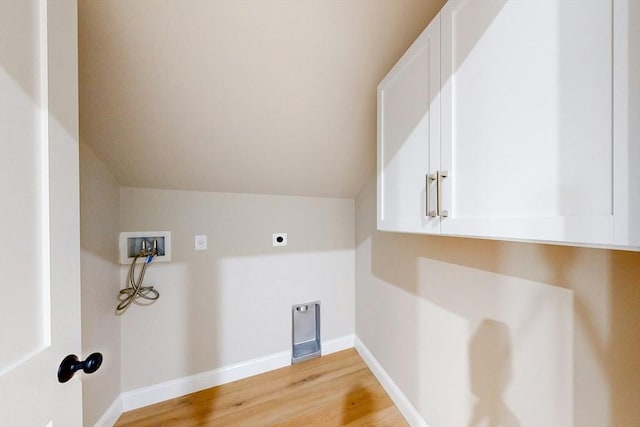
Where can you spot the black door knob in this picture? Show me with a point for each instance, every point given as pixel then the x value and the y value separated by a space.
pixel 71 364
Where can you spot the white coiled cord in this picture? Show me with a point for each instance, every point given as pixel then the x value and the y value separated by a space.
pixel 134 289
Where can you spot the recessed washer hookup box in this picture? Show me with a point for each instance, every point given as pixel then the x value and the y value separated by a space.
pixel 131 244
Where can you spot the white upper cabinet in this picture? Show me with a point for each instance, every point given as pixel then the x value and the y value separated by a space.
pixel 408 121
pixel 526 119
pixel 537 139
pixel 626 123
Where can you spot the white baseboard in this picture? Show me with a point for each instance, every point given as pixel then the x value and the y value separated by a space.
pixel 180 386
pixel 338 344
pixel 111 415
pixel 406 408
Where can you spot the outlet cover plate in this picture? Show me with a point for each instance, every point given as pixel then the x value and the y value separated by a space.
pixel 279 239
pixel 200 242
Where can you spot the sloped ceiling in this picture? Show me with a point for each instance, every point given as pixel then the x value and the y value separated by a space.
pixel 250 96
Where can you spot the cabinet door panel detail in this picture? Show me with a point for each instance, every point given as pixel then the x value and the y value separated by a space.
pixel 527 118
pixel 408 120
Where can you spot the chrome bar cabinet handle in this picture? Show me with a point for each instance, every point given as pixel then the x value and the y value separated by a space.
pixel 439 211
pixel 429 179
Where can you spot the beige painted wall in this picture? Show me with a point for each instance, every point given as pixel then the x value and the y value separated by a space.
pixel 232 303
pixel 99 227
pixel 530 335
pixel 241 84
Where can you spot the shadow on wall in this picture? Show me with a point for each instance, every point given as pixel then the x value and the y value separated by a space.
pixel 606 312
pixel 623 346
pixel 615 346
pixel 603 285
pixel 491 372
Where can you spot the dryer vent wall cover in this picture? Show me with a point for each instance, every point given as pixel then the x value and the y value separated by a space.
pixel 305 332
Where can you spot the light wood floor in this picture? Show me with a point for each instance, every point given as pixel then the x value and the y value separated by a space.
pixel 333 390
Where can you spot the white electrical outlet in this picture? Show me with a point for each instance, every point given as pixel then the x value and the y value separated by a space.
pixel 279 239
pixel 201 242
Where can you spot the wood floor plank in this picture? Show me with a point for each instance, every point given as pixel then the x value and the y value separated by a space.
pixel 333 390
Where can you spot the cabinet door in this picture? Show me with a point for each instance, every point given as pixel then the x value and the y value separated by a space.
pixel 626 127
pixel 409 134
pixel 527 119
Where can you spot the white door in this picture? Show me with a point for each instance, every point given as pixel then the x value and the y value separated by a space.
pixel 527 119
pixel 39 218
pixel 409 136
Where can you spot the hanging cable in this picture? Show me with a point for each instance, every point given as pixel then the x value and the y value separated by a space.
pixel 134 290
